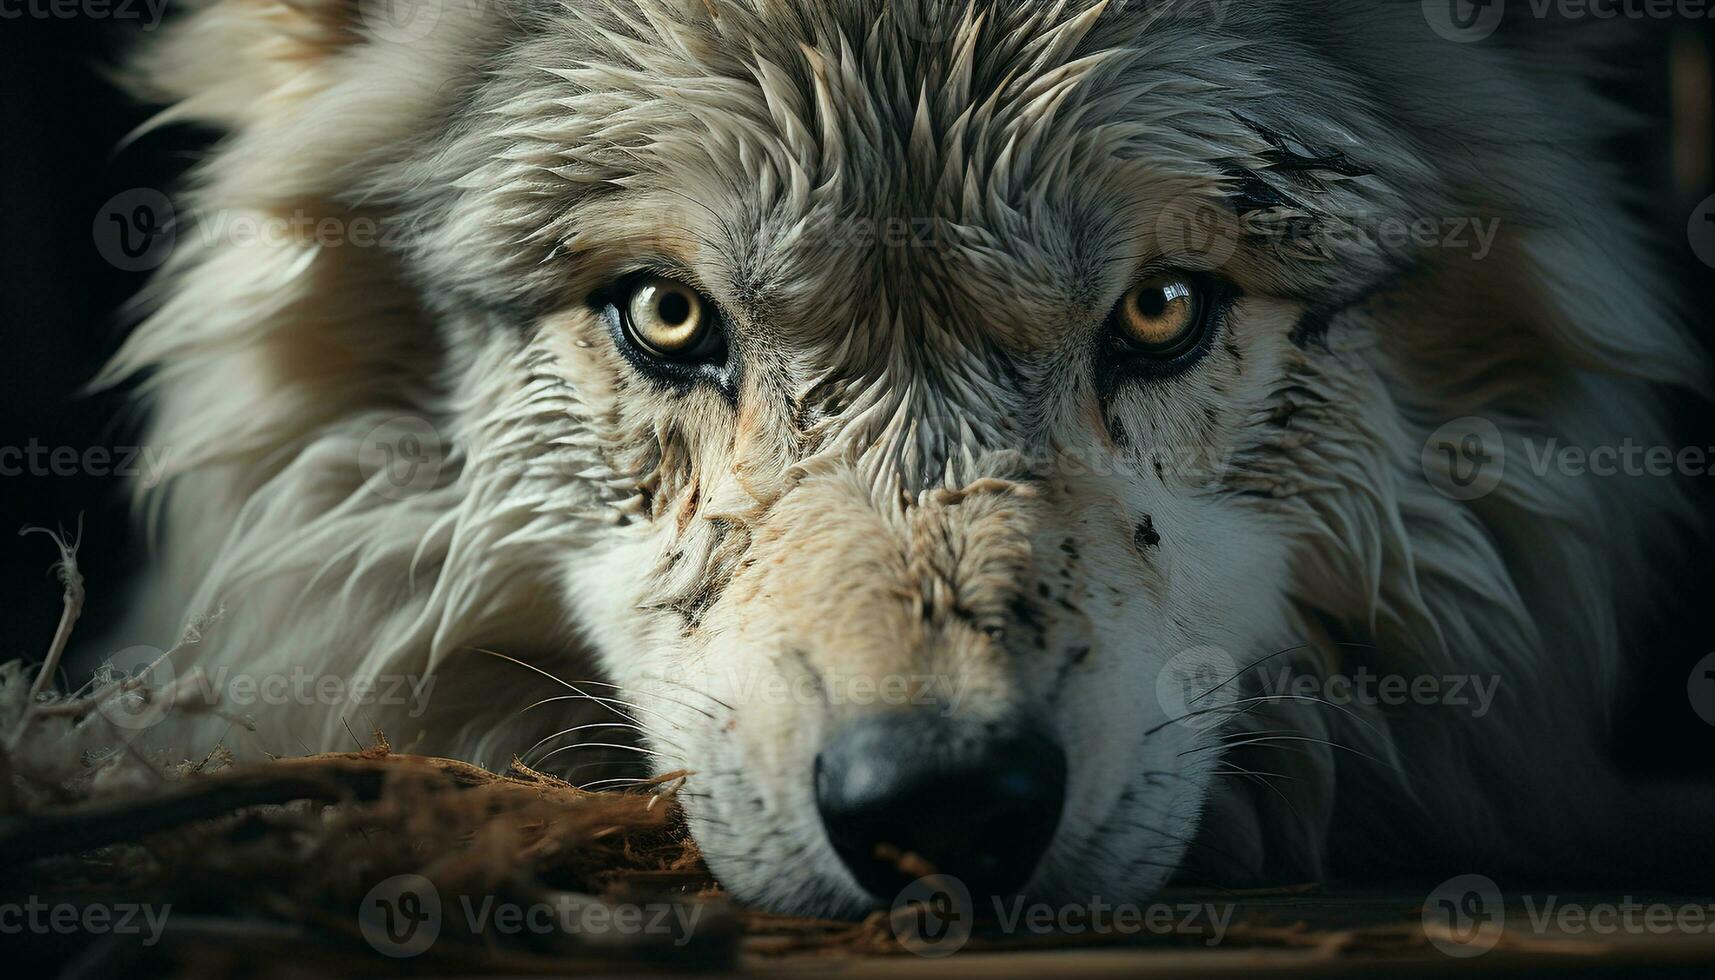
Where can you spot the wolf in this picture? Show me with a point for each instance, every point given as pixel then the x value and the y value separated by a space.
pixel 1062 441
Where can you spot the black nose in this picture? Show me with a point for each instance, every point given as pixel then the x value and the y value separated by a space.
pixel 978 806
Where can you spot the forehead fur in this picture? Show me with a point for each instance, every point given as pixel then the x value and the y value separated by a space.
pixel 1034 145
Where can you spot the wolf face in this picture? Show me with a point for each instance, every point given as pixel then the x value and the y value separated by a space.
pixel 923 418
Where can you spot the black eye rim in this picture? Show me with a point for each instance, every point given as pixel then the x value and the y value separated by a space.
pixel 710 361
pixel 1122 357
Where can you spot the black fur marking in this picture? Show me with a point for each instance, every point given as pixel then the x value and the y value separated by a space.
pixel 1287 160
pixel 1312 328
pixel 1146 536
pixel 1255 194
pixel 1025 613
pixel 1075 657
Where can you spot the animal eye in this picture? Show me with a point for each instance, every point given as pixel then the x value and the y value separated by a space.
pixel 669 320
pixel 1162 317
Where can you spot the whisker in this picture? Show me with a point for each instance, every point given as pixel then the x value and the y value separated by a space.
pixel 579 728
pixel 605 745
pixel 608 702
pixel 1255 664
pixel 1277 738
pixel 615 781
pixel 656 694
pixel 699 692
pixel 1251 666
pixel 1254 777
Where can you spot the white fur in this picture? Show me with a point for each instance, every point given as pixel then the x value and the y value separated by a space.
pixel 531 152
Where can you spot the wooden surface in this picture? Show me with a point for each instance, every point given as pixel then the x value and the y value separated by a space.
pixel 1331 933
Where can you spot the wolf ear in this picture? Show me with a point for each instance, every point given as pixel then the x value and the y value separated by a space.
pixel 229 63
pixel 308 87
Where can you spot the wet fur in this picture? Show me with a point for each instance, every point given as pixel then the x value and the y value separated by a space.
pixel 867 498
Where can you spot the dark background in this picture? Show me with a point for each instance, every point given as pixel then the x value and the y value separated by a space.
pixel 62 126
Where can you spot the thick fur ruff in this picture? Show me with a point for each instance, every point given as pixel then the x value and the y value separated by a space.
pixel 867 497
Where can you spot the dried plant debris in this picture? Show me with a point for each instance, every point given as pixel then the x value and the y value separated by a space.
pixel 342 857
pixel 379 863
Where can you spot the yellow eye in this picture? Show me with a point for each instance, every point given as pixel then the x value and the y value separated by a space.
pixel 668 318
pixel 1161 316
